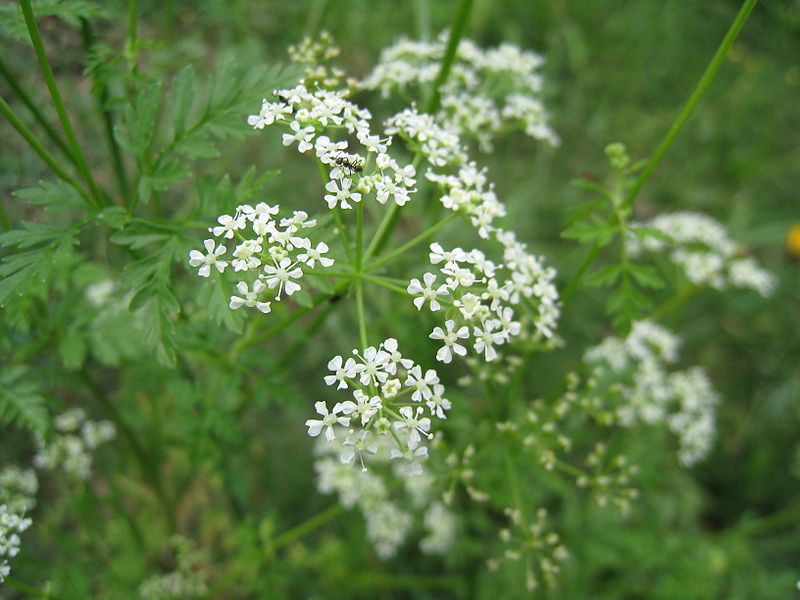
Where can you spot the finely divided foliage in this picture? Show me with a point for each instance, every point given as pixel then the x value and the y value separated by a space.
pixel 487 298
pixel 411 447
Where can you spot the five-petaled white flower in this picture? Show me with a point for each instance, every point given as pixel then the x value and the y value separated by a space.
pixel 281 276
pixel 357 445
pixel 340 196
pixel 342 371
pixel 486 338
pixel 329 419
pixel 450 339
pixel 250 299
pixel 312 255
pixel 414 424
pixel 427 291
pixel 204 261
pixel 302 135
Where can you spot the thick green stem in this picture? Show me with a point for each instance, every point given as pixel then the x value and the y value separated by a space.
pixel 72 141
pixel 37 114
pixel 456 32
pixel 699 91
pixel 37 146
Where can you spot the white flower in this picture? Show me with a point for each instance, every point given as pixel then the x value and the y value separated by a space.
pixel 364 406
pixel 302 135
pixel 342 371
pixel 414 424
pixel 312 255
pixel 486 338
pixel 228 226
pixel 340 196
pixel 328 421
pixel 204 261
pixel 376 366
pixel 421 384
pixel 410 459
pixel 428 292
pixel 281 276
pixel 250 299
pixel 450 339
pixel 358 444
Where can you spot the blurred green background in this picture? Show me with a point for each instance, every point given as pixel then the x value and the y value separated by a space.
pixel 617 70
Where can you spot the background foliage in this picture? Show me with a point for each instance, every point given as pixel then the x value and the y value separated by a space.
pixel 214 446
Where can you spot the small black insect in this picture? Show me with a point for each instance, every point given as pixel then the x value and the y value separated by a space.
pixel 354 166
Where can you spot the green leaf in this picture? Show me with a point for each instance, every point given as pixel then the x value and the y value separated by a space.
pixel 114 217
pixel 646 276
pixel 605 277
pixel 652 232
pixel 53 195
pixel 597 230
pixel 165 175
pixel 139 122
pixel 21 399
pixel 182 97
pixel 32 272
pixel 218 305
pixel 72 348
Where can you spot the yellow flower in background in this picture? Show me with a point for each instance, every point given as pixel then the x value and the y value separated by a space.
pixel 793 241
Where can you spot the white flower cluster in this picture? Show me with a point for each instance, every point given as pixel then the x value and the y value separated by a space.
pixel 312 118
pixel 376 494
pixel 440 146
pixel 638 369
pixel 72 445
pixel 481 297
pixel 702 248
pixel 186 582
pixel 469 105
pixel 390 397
pixel 470 194
pixel 17 491
pixel 12 523
pixel 274 248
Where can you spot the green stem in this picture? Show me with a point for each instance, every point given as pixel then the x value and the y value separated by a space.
pixel 58 104
pixel 381 281
pixel 359 235
pixel 411 243
pixel 699 91
pixel 674 303
pixel 102 97
pixel 389 221
pixel 362 322
pixel 306 527
pixel 590 257
pixel 456 32
pixel 251 337
pixel 37 146
pixel 779 520
pixel 29 590
pixel 37 114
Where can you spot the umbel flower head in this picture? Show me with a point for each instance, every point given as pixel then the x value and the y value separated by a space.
pixel 392 398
